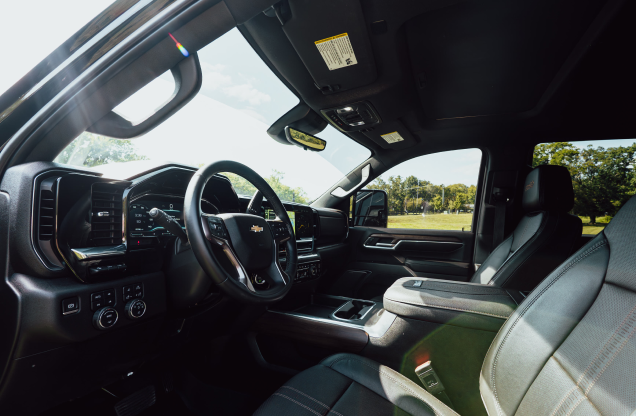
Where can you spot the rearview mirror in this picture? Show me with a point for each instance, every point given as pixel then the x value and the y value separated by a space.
pixel 304 140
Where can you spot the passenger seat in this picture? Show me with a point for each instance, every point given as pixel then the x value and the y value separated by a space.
pixel 544 237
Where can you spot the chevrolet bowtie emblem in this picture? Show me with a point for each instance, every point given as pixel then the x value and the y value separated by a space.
pixel 256 228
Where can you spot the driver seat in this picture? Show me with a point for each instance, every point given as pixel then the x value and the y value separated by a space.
pixel 568 349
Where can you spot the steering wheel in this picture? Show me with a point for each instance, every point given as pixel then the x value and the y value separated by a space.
pixel 239 252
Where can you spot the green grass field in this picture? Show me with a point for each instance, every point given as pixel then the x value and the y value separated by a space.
pixel 432 221
pixel 457 222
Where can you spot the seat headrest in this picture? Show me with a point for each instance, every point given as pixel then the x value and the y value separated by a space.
pixel 548 188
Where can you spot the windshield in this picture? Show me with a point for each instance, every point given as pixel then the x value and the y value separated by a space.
pixel 239 99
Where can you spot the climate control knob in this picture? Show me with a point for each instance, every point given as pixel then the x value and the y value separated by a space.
pixel 105 318
pixel 136 308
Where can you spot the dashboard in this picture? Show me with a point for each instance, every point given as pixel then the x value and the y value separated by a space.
pixel 92 276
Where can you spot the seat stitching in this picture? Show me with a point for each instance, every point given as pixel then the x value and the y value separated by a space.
pixel 451 308
pixel 614 355
pixel 299 404
pixel 576 386
pixel 620 326
pixel 576 405
pixel 416 395
pixel 315 400
pixel 556 409
pixel 528 305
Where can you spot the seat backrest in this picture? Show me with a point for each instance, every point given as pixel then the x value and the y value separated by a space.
pixel 569 348
pixel 544 237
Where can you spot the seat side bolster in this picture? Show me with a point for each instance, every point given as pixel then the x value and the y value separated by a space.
pixel 388 384
pixel 539 326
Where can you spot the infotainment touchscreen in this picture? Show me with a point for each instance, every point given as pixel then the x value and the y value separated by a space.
pixel 301 222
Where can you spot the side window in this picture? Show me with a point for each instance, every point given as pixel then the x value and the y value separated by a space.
pixel 435 192
pixel 603 176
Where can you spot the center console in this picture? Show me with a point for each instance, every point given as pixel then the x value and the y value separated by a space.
pixel 468 305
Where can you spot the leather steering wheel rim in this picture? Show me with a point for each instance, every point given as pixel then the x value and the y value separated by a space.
pixel 201 242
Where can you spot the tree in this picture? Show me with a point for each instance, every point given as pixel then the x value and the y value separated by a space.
pixel 90 149
pixel 244 187
pixel 603 179
pixel 437 203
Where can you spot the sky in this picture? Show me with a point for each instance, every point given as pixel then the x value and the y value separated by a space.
pixel 239 99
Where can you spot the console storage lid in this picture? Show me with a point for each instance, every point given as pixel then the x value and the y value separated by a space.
pixel 455 303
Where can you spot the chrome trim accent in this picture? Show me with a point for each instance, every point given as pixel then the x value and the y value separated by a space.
pixel 384 246
pixel 102 312
pixel 333 315
pixel 94 253
pixel 33 200
pixel 341 193
pixel 382 321
pixel 129 307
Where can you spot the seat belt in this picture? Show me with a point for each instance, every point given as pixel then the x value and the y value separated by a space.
pixel 431 382
pixel 500 197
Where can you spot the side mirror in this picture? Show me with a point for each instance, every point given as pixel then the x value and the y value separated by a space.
pixel 370 208
pixel 304 140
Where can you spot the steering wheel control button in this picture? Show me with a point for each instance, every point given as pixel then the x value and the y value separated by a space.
pixel 136 308
pixel 279 230
pixel 105 318
pixel 216 227
pixel 70 305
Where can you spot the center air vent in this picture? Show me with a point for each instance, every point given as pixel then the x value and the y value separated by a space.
pixel 106 215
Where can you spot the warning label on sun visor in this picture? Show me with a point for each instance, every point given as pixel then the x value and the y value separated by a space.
pixel 392 137
pixel 337 51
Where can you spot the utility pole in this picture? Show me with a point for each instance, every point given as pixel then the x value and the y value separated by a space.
pixel 442 197
pixel 417 194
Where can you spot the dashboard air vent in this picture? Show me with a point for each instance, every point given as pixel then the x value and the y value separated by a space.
pixel 46 218
pixel 106 215
pixel 316 225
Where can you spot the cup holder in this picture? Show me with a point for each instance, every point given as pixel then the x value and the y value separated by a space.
pixel 353 310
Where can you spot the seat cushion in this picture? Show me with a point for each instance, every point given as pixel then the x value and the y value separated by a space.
pixel 348 385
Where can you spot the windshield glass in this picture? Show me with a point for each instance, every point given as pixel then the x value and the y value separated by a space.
pixel 239 99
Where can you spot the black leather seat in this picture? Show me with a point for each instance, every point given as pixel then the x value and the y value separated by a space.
pixel 568 349
pixel 544 237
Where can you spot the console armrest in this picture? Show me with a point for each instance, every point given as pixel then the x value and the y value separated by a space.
pixel 468 305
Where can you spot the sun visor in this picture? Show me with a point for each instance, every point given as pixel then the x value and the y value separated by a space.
pixel 391 135
pixel 331 38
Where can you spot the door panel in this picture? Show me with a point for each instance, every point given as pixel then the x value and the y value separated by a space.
pixel 380 256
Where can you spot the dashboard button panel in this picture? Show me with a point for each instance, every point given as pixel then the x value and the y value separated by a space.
pixel 135 291
pixel 307 271
pixel 70 305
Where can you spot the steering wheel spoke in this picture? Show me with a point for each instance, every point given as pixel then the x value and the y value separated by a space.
pixel 216 233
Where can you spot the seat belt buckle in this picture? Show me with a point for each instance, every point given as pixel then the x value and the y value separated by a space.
pixel 429 378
